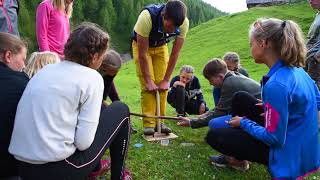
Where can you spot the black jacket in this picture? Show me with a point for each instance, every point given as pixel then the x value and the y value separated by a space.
pixel 192 88
pixel 12 85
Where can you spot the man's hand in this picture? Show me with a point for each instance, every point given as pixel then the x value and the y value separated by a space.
pixel 185 122
pixel 203 115
pixel 235 121
pixel 151 86
pixel 178 83
pixel 164 85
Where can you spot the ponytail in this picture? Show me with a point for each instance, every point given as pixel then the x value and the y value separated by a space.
pixel 293 50
pixel 286 39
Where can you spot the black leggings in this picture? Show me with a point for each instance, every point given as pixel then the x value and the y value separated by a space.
pixel 191 106
pixel 234 141
pixel 112 132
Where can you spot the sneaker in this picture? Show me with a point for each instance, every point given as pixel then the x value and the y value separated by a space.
pixel 226 161
pixel 105 166
pixel 219 161
pixel 126 175
pixel 148 131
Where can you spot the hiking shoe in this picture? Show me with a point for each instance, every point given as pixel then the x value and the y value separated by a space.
pixel 126 175
pixel 105 166
pixel 226 161
pixel 219 161
pixel 148 131
pixel 165 129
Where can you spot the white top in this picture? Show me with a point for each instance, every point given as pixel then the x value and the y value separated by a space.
pixel 57 113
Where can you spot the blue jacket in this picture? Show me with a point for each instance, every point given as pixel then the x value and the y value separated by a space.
pixel 157 36
pixel 291 101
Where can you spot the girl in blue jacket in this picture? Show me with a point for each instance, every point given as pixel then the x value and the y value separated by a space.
pixel 288 142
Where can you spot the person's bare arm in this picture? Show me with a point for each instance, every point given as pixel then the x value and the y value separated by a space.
pixel 143 45
pixel 177 45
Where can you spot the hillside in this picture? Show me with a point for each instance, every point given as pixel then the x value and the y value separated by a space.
pixel 208 40
pixel 115 16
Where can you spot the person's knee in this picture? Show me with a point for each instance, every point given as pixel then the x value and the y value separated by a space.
pixel 240 96
pixel 213 138
pixel 180 89
pixel 120 107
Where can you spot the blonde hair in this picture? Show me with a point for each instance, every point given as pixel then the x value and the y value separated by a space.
pixel 62 6
pixel 187 69
pixel 38 60
pixel 286 39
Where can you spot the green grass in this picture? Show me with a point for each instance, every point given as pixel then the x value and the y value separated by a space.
pixel 206 41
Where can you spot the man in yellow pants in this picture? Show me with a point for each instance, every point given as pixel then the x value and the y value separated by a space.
pixel 156 26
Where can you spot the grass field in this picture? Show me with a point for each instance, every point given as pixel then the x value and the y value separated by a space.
pixel 208 40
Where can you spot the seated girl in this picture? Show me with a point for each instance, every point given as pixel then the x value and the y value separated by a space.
pixel 61 131
pixel 285 139
pixel 111 64
pixel 38 60
pixel 185 94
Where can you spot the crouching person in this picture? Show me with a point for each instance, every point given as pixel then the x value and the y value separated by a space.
pixel 61 131
pixel 287 142
pixel 13 81
pixel 185 93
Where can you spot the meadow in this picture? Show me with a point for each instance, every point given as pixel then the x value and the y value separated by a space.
pixel 204 42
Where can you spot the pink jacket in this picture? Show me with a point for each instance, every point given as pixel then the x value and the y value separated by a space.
pixel 52 28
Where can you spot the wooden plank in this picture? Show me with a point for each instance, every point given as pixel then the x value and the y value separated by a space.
pixel 264 1
pixel 159 137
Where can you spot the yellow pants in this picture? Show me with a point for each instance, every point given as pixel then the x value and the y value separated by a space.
pixel 157 59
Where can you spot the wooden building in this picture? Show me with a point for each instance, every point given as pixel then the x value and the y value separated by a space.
pixel 254 3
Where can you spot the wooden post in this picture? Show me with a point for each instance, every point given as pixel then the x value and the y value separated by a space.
pixel 158 136
pixel 158 113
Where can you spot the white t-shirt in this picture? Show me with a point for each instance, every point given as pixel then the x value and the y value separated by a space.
pixel 57 113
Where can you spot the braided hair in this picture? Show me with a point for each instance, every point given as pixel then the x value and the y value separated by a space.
pixel 84 42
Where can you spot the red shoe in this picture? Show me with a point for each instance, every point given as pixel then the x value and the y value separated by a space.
pixel 105 166
pixel 126 175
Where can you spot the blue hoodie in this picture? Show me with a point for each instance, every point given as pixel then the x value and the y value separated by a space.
pixel 291 101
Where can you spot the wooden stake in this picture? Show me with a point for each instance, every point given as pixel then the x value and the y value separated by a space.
pixel 158 113
pixel 160 117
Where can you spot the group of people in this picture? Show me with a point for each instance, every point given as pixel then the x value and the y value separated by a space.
pixel 55 123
